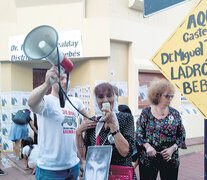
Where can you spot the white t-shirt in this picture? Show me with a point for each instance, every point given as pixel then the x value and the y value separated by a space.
pixel 32 159
pixel 56 134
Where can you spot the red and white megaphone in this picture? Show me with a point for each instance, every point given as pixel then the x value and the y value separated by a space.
pixel 42 42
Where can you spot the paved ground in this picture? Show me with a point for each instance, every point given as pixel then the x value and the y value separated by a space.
pixel 191 163
pixel 191 168
pixel 17 170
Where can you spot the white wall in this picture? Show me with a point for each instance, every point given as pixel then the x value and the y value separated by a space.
pixel 101 22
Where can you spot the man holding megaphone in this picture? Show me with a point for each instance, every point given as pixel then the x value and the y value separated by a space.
pixel 57 118
pixel 56 129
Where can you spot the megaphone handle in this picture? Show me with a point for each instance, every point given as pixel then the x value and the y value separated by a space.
pixel 52 80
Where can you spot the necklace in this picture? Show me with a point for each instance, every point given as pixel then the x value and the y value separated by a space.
pixel 161 112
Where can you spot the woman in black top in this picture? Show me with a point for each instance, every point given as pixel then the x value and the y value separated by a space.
pixel 117 129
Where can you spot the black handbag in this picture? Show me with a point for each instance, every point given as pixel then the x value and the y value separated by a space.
pixel 22 117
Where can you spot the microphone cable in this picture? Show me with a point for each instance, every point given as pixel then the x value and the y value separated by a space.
pixel 62 92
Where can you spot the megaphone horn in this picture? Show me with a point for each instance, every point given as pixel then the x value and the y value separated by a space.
pixel 42 42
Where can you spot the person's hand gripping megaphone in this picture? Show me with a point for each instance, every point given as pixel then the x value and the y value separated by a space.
pixel 51 76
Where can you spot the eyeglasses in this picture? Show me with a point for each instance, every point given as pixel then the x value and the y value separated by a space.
pixel 168 96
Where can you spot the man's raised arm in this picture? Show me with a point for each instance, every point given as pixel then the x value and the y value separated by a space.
pixel 35 100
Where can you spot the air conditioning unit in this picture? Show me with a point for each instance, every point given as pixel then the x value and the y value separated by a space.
pixel 136 4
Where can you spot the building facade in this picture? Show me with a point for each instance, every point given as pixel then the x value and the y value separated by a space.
pixel 115 45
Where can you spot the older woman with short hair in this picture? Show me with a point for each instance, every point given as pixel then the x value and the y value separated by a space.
pixel 160 132
pixel 118 125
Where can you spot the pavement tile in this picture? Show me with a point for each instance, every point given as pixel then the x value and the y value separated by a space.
pixel 191 167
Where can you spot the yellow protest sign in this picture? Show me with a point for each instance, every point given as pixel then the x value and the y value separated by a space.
pixel 183 57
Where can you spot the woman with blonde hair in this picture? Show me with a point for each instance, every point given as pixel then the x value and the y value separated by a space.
pixel 160 132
